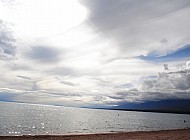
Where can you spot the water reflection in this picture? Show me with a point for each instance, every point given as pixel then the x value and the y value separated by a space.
pixel 24 119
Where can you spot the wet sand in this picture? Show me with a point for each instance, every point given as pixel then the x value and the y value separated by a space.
pixel 183 134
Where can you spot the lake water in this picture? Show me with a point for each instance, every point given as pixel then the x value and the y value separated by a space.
pixel 28 119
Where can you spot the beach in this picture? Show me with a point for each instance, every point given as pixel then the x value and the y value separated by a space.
pixel 182 134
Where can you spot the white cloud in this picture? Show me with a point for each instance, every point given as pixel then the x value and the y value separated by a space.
pixel 174 80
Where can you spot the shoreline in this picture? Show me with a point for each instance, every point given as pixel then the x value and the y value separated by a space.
pixel 182 134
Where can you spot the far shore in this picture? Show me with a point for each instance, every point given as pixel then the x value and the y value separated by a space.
pixel 180 134
pixel 149 110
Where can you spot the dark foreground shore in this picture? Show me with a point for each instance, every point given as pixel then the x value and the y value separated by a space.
pixel 183 134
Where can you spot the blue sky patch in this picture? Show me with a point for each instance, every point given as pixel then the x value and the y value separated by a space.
pixel 182 53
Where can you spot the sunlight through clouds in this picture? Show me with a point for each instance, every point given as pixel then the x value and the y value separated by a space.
pixel 93 52
pixel 38 19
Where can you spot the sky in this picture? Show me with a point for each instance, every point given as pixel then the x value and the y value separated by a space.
pixel 94 52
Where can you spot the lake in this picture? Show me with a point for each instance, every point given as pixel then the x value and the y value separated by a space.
pixel 32 119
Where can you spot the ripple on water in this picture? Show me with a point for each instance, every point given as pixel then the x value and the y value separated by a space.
pixel 22 119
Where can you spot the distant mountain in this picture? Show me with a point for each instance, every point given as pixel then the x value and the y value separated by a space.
pixel 171 106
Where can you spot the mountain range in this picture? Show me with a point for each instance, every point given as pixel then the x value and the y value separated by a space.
pixel 169 105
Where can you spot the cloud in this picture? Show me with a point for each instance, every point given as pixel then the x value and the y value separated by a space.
pixel 126 85
pixel 141 26
pixel 171 84
pixel 24 77
pixel 139 96
pixel 63 94
pixel 39 96
pixel 166 67
pixel 62 71
pixel 44 54
pixel 102 60
pixel 7 42
pixel 67 83
pixel 177 80
pixel 167 85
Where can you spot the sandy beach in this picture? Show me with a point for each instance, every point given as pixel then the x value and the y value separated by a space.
pixel 183 134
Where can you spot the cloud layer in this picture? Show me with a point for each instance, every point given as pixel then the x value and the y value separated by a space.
pixel 141 26
pixel 101 53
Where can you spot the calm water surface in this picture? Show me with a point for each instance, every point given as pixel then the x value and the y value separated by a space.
pixel 27 119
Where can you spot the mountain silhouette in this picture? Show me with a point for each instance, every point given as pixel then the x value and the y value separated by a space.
pixel 169 105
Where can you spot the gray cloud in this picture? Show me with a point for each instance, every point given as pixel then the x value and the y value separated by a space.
pixel 104 100
pixel 126 85
pixel 139 96
pixel 109 14
pixel 44 54
pixel 167 85
pixel 39 96
pixel 62 71
pixel 24 77
pixel 7 42
pixel 140 24
pixel 63 94
pixel 67 83
pixel 175 80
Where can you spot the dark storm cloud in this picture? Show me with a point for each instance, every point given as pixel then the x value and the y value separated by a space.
pixel 44 54
pixel 139 96
pixel 7 42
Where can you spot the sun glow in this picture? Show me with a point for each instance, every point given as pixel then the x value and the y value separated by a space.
pixel 38 19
